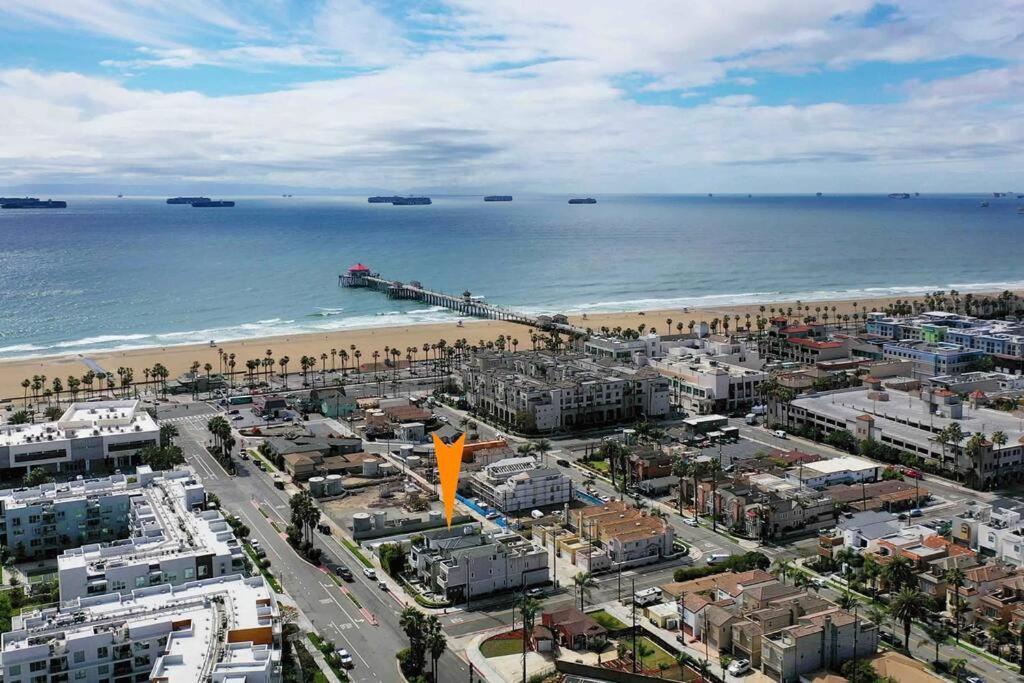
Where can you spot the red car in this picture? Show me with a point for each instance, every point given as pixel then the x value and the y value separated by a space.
pixel 913 474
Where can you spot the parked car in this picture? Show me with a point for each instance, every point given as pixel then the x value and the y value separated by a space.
pixel 562 462
pixel 345 659
pixel 690 521
pixel 493 514
pixel 780 434
pixel 739 667
pixel 369 573
pixel 913 474
pixel 382 585
pixel 324 529
pixel 344 572
pixel 534 593
pixel 716 558
pixel 916 512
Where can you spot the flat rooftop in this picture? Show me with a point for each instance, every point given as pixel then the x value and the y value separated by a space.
pixel 82 489
pixel 96 418
pixel 906 416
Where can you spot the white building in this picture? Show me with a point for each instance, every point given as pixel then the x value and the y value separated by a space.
pixel 702 385
pixel 846 469
pixel 464 563
pixel 517 484
pixel 993 529
pixel 108 433
pixel 44 520
pixel 172 540
pixel 225 630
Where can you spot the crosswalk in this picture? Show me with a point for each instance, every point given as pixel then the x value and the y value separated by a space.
pixel 190 419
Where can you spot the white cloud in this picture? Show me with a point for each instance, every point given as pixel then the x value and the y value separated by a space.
pixel 527 95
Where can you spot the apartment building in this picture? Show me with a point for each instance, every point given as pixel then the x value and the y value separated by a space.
pixel 993 529
pixel 464 563
pixel 801 343
pixel 929 359
pixel 223 630
pixel 819 641
pixel 44 520
pixel 91 436
pixel 543 392
pixel 625 535
pixel 172 540
pixel 999 338
pixel 516 484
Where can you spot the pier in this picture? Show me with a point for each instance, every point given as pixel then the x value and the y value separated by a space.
pixel 362 276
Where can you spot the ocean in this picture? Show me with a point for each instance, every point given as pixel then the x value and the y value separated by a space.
pixel 109 274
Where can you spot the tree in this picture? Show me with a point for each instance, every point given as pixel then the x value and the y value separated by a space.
pixel 859 670
pixel 680 470
pixel 543 447
pixel 584 581
pixel 957 667
pixel 162 457
pixel 783 568
pixel 1000 636
pixel 529 609
pixel 393 558
pixel 955 578
pixel 908 605
pixel 19 418
pixel 938 633
pixel 898 573
pixel 414 625
pixel 36 476
pixel 435 642
pixel 168 433
pixel 53 413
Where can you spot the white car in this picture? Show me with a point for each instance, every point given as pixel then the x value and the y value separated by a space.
pixel 738 667
pixel 369 573
pixel 345 659
pixel 690 521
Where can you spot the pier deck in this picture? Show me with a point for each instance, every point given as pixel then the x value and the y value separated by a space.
pixel 466 304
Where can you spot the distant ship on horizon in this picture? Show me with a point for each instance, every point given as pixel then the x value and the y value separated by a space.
pixel 187 200
pixel 899 195
pixel 583 200
pixel 31 203
pixel 411 201
pixel 498 198
pixel 211 203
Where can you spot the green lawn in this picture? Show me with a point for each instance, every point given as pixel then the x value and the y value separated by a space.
pixel 599 465
pixel 354 549
pixel 659 655
pixel 607 620
pixel 497 647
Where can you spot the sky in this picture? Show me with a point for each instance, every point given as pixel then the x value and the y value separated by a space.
pixel 590 96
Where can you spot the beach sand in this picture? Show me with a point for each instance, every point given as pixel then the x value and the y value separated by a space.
pixel 178 359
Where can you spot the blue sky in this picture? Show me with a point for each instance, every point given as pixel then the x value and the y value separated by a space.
pixel 459 94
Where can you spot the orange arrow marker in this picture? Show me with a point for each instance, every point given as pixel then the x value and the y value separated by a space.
pixel 449 464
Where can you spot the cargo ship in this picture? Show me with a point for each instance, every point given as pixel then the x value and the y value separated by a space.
pixel 31 203
pixel 583 200
pixel 381 200
pixel 410 201
pixel 187 200
pixel 498 198
pixel 899 195
pixel 208 203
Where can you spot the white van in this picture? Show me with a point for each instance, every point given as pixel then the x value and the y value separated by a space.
pixel 536 514
pixel 716 558
pixel 780 433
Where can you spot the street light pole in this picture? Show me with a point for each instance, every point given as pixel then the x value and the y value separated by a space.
pixel 633 605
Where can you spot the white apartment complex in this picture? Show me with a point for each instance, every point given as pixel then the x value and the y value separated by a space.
pixel 108 433
pixel 543 392
pixel 515 484
pixel 173 540
pixel 225 630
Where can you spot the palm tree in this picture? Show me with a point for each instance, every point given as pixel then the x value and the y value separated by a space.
pixel 543 447
pixel 908 605
pixel 898 574
pixel 938 633
pixel 955 577
pixel 529 610
pixel 584 581
pixel 436 642
pixel 957 666
pixel 783 568
pixel 680 470
pixel 25 384
pixel 879 615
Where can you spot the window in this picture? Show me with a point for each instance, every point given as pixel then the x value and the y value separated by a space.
pixel 189 573
pixel 102 652
pixel 79 656
pixel 140 581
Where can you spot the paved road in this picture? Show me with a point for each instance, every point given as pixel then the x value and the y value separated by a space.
pixel 371 634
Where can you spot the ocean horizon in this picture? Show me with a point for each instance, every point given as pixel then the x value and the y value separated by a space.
pixel 111 274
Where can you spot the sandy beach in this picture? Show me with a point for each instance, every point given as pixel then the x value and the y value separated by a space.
pixel 178 359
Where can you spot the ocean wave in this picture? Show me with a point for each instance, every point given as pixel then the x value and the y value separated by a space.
pixel 101 339
pixel 327 312
pixel 20 348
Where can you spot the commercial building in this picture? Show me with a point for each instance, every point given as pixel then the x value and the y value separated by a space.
pixel 910 421
pixel 702 385
pixel 172 540
pixel 91 436
pixel 801 343
pixel 516 484
pixel 464 563
pixel 223 630
pixel 830 471
pixel 543 392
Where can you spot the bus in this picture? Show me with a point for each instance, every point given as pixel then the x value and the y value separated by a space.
pixel 240 400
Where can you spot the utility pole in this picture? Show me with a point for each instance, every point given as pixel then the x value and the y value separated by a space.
pixel 618 596
pixel 856 628
pixel 633 605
